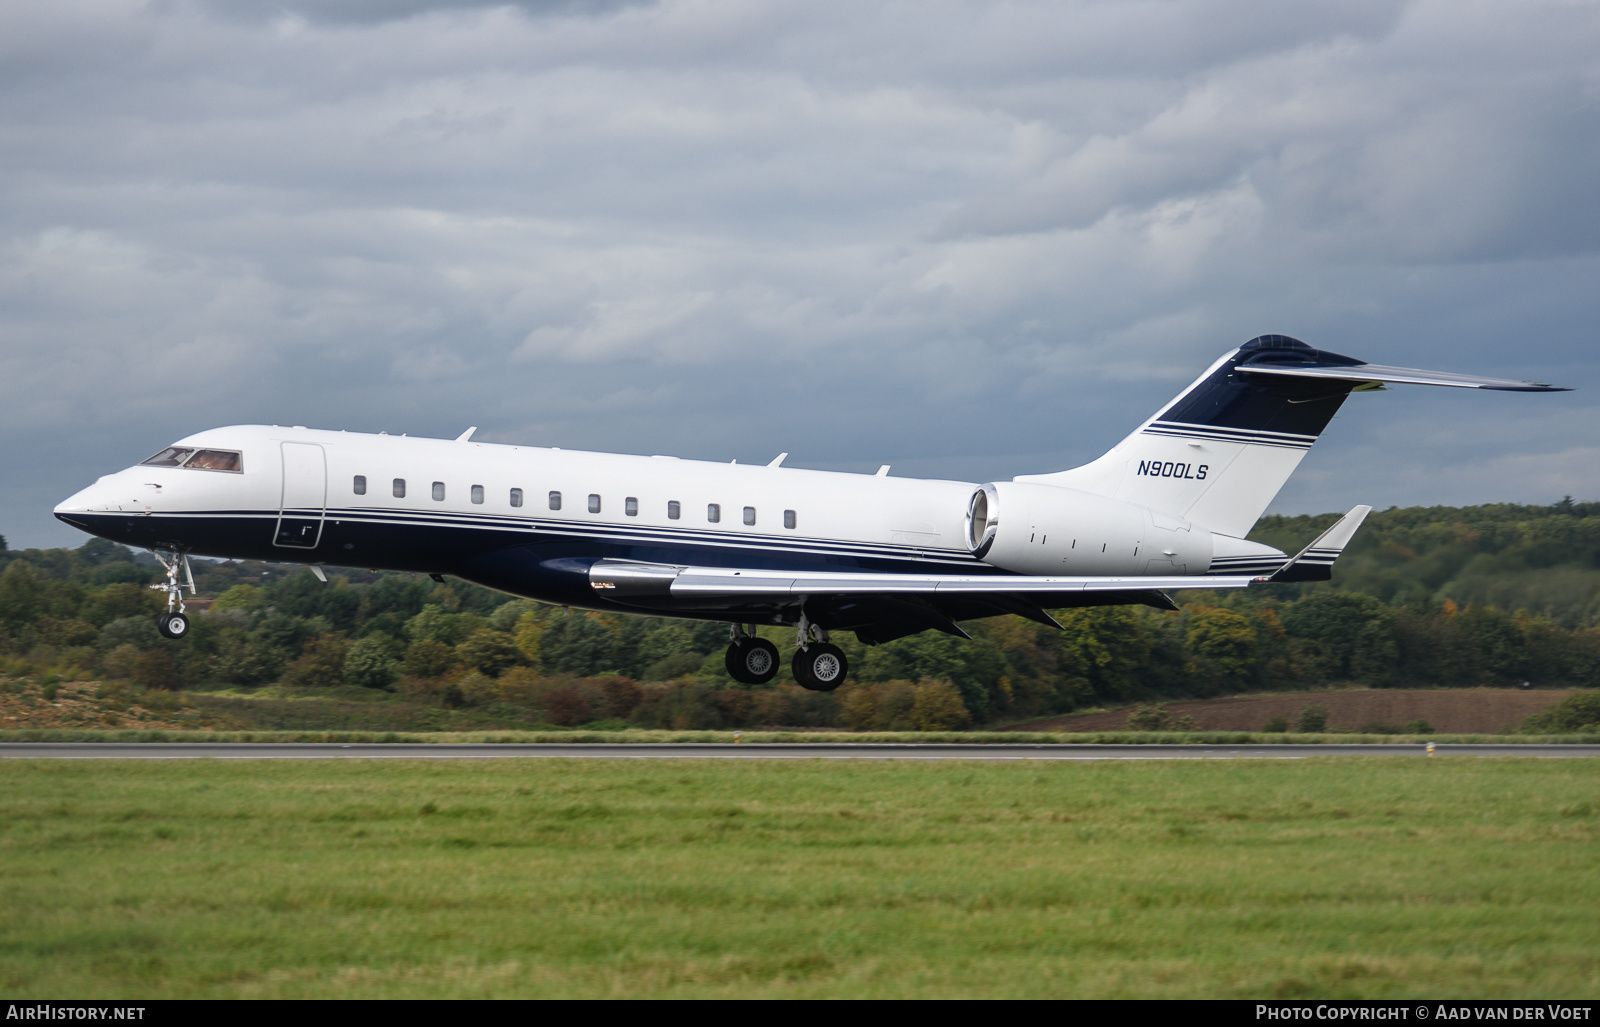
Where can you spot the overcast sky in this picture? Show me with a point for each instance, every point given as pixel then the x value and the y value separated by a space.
pixel 970 240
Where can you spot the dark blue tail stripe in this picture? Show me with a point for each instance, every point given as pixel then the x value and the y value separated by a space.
pixel 1231 397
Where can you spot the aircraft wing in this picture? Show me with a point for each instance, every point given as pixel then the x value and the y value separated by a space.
pixel 1378 373
pixel 882 606
pixel 622 579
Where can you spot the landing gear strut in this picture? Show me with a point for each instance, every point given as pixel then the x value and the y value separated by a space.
pixel 818 664
pixel 750 660
pixel 172 623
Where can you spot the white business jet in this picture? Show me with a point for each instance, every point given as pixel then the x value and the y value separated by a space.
pixel 1168 508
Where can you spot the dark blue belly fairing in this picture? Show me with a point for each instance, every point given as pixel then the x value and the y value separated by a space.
pixel 522 561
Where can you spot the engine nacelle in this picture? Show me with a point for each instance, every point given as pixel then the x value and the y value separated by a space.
pixel 1029 528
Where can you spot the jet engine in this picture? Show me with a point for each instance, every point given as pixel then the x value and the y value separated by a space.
pixel 1029 528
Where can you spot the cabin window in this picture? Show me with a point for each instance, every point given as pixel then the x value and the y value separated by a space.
pixel 438 492
pixel 594 503
pixel 477 494
pixel 713 512
pixel 399 488
pixel 749 515
pixel 674 511
pixel 360 485
pixel 788 518
pixel 516 497
pixel 630 506
pixel 555 500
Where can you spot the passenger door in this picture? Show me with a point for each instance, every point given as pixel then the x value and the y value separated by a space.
pixel 305 496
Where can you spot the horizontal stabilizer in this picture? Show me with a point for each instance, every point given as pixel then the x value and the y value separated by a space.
pixel 1315 562
pixel 1379 373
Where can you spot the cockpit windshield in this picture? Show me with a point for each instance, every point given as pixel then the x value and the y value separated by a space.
pixel 215 460
pixel 204 459
pixel 172 456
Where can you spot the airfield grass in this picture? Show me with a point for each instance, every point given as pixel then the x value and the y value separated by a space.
pixel 1356 877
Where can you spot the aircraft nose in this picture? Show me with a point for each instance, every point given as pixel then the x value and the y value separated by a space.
pixel 94 499
pixel 78 502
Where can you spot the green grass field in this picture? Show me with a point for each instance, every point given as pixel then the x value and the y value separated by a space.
pixel 589 878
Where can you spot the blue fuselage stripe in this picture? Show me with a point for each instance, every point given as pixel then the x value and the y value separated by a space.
pixel 439 541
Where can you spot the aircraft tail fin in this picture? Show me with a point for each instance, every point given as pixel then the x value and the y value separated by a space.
pixel 1219 452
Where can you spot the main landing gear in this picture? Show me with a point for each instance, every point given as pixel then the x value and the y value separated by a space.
pixel 820 667
pixel 750 660
pixel 173 623
pixel 817 664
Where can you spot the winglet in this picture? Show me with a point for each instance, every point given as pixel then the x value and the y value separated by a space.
pixel 1315 562
pixel 466 436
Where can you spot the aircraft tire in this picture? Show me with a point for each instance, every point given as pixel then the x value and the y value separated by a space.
pixel 821 667
pixel 752 661
pixel 734 661
pixel 172 625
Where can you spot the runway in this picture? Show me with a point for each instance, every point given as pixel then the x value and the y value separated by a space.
pixel 752 751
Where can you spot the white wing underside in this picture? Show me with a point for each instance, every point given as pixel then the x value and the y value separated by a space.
pixel 621 578
pixel 624 578
pixel 718 581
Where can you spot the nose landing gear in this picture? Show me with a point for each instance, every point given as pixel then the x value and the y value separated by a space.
pixel 173 623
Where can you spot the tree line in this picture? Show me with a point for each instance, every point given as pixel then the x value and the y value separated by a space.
pixel 1426 597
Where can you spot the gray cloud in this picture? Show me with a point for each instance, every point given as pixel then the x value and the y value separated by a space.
pixel 966 239
pixel 372 12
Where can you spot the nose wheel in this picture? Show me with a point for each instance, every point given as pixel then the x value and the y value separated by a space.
pixel 173 623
